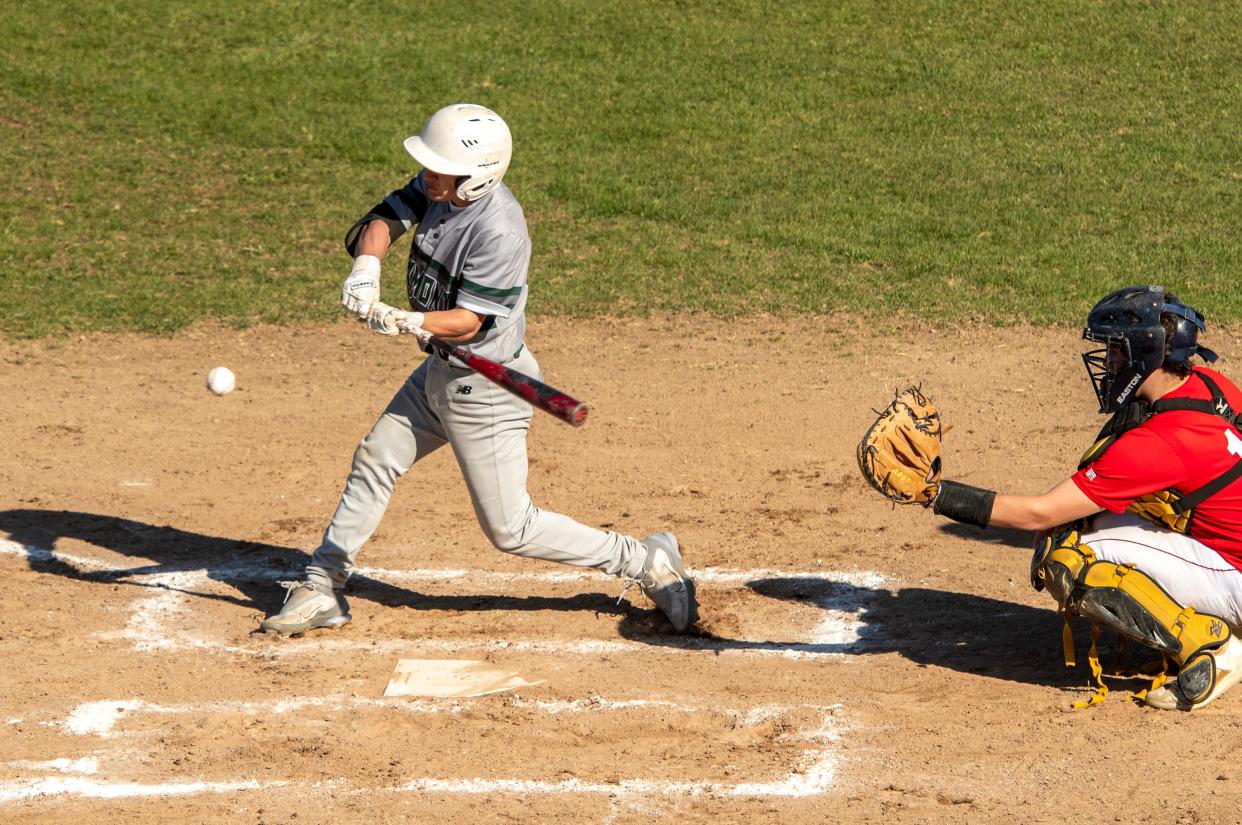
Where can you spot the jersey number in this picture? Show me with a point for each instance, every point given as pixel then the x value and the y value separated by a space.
pixel 1235 443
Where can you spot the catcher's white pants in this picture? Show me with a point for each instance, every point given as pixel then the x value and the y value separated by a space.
pixel 486 427
pixel 1190 571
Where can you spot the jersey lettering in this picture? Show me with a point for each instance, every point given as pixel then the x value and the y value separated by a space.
pixel 425 291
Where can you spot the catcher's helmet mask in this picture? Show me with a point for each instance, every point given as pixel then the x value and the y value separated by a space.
pixel 1128 323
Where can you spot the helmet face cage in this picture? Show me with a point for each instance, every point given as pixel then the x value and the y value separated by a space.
pixel 1113 372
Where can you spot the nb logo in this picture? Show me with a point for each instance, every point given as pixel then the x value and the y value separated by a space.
pixel 464 389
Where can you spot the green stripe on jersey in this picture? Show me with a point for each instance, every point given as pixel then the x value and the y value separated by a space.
pixel 489 292
pixel 510 304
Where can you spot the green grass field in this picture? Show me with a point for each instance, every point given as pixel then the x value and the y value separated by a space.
pixel 168 162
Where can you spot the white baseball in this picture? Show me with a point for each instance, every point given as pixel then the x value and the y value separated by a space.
pixel 221 380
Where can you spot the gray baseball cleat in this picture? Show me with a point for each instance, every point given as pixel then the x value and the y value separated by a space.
pixel 307 606
pixel 664 580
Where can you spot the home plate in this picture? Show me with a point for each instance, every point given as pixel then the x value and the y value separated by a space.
pixel 451 678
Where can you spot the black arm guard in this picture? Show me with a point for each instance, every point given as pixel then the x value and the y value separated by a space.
pixel 961 502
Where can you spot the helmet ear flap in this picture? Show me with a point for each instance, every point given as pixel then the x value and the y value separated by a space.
pixel 1184 341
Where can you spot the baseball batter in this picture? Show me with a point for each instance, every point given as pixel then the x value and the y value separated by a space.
pixel 1146 537
pixel 467 284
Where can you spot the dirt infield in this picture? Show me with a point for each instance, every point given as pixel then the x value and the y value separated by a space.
pixel 855 663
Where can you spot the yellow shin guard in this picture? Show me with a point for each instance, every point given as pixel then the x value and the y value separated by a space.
pixel 1129 602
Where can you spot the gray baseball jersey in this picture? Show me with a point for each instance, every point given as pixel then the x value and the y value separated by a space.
pixel 476 257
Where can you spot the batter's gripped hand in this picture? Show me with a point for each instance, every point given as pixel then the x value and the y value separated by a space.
pixel 900 454
pixel 411 323
pixel 383 319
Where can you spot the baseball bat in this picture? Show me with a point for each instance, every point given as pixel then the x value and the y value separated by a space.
pixel 534 392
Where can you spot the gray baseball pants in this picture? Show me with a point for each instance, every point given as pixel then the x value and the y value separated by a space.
pixel 486 426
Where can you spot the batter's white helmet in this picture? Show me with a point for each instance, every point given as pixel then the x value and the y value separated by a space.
pixel 466 140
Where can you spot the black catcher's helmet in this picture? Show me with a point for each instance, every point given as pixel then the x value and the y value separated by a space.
pixel 1127 323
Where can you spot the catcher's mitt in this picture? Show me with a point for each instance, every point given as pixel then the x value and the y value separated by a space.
pixel 900 453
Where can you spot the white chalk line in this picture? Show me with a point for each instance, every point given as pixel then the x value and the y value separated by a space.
pixel 99 718
pixel 837 633
pixel 12 791
pixel 812 775
pixel 811 778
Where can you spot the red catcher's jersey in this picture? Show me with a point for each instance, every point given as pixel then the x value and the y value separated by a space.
pixel 1180 450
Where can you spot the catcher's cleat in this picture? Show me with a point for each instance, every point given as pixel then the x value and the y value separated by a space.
pixel 1209 676
pixel 306 607
pixel 664 580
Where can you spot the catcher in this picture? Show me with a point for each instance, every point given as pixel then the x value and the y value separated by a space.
pixel 1146 537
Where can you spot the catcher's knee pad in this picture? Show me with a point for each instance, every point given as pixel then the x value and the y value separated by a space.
pixel 1057 563
pixel 1131 603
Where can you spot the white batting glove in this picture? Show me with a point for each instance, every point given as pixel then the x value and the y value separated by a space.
pixel 383 319
pixel 361 289
pixel 412 324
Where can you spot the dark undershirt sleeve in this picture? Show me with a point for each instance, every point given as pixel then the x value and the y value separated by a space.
pixel 401 210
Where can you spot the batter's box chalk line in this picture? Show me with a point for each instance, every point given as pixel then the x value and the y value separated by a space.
pixel 154 621
pixel 812 775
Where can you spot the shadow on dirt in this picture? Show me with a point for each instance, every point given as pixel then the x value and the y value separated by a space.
pixel 253 568
pixel 964 632
pixel 1022 539
pixel 960 631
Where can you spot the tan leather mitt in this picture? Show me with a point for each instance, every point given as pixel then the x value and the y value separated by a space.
pixel 900 453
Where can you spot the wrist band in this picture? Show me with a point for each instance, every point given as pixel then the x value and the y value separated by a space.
pixel 961 502
pixel 366 265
